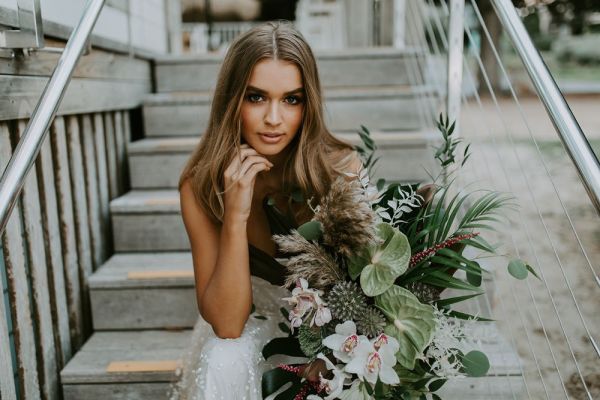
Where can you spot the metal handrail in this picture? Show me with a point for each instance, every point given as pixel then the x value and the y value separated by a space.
pixel 566 125
pixel 31 142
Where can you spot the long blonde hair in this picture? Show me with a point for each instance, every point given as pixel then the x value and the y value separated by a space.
pixel 316 157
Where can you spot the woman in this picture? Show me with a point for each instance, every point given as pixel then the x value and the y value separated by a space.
pixel 266 143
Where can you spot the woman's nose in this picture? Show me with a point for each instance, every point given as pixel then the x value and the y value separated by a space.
pixel 273 116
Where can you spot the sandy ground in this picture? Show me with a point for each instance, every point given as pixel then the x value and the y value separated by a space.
pixel 549 321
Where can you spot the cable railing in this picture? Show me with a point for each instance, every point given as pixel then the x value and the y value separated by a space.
pixel 551 322
pixel 28 148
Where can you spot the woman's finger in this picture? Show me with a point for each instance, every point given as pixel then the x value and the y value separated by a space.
pixel 252 172
pixel 248 162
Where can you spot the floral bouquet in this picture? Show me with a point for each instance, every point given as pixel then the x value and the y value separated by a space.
pixel 368 271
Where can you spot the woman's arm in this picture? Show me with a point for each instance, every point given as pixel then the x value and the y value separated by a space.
pixel 220 254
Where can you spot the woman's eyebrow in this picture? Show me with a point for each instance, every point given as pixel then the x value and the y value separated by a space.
pixel 261 91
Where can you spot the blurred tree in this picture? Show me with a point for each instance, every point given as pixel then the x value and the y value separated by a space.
pixel 277 9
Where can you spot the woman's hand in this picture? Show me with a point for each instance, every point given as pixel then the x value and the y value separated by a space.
pixel 239 178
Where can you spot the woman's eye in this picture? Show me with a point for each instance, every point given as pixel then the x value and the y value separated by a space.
pixel 293 100
pixel 254 98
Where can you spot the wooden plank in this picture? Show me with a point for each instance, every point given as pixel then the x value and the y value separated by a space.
pixel 143 366
pixel 91 184
pixel 111 156
pixel 20 94
pixel 32 222
pixel 67 230
pixel 103 195
pixel 81 215
pixel 180 273
pixel 14 255
pixel 97 64
pixel 117 391
pixel 119 150
pixel 56 282
pixel 7 380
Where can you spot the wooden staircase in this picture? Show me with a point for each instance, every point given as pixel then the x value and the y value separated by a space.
pixel 142 298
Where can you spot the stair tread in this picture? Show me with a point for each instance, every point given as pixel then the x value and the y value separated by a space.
pixel 90 363
pixel 142 270
pixel 185 144
pixel 150 201
pixel 367 52
pixel 160 349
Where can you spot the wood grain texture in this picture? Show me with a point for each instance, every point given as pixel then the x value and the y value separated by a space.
pixel 80 207
pixel 103 190
pixel 111 155
pixel 13 247
pixel 68 233
pixel 119 150
pixel 91 185
pixel 32 222
pixel 20 94
pixel 7 381
pixel 54 256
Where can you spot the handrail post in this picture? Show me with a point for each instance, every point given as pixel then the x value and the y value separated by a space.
pixel 32 139
pixel 455 61
pixel 30 33
pixel 566 125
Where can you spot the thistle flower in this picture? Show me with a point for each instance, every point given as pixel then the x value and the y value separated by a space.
pixel 371 322
pixel 310 261
pixel 347 301
pixel 347 218
pixel 310 340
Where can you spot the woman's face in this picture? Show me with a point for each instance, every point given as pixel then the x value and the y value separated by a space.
pixel 272 107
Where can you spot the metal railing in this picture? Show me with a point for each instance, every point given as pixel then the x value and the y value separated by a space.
pixel 29 146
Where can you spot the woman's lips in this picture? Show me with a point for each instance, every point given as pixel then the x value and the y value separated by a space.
pixel 271 138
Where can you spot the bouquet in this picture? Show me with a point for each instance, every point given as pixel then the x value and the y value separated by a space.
pixel 368 271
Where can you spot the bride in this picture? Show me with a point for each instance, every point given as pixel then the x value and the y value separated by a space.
pixel 266 150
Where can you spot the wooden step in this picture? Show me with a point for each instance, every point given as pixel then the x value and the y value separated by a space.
pixel 380 108
pixel 386 66
pixel 405 156
pixel 148 220
pixel 141 365
pixel 144 291
pixel 125 365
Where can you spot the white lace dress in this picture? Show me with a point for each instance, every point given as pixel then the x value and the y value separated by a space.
pixel 231 369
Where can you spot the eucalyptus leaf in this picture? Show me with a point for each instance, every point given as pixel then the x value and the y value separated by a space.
pixel 518 269
pixel 283 345
pixel 475 363
pixel 412 323
pixel 276 378
pixel 312 230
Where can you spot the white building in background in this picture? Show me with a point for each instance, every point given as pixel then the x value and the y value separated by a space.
pixel 327 24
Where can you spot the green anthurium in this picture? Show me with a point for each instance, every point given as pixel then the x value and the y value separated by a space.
pixel 412 323
pixel 384 263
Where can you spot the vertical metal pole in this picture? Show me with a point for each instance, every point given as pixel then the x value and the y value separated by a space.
pixel 400 24
pixel 173 18
pixel 455 61
pixel 30 33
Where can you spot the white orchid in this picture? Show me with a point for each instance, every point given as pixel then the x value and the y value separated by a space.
pixel 333 387
pixel 344 341
pixel 355 392
pixel 375 359
pixel 305 299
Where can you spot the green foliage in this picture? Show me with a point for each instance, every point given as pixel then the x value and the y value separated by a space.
pixel 382 264
pixel 475 363
pixel 311 231
pixel 445 154
pixel 367 152
pixel 411 323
